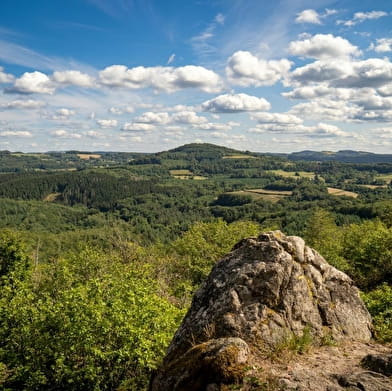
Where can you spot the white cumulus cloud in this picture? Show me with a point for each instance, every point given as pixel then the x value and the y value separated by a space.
pixel 33 82
pixel 232 103
pixel 245 69
pixel 276 118
pixel 138 127
pixel 308 16
pixel 62 133
pixel 167 79
pixel 215 126
pixel 360 17
pixel 72 77
pixel 107 123
pixel 16 133
pixel 188 117
pixel 5 77
pixel 323 46
pixel 24 104
pixel 151 117
pixel 382 45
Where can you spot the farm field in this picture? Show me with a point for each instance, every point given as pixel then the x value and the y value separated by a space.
pixel 339 192
pixel 292 174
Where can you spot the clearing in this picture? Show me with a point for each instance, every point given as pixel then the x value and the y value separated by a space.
pixel 87 156
pixel 292 174
pixel 341 192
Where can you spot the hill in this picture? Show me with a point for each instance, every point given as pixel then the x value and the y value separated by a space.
pixel 346 156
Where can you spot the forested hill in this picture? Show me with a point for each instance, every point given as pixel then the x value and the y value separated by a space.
pixel 205 148
pixel 346 156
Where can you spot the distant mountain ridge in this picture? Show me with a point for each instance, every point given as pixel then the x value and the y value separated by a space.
pixel 210 151
pixel 345 156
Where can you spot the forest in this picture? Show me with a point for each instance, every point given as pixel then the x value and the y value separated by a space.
pixel 100 253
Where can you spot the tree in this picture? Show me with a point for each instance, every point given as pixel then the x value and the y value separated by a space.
pixel 13 258
pixel 322 233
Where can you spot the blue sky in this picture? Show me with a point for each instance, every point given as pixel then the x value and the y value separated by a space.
pixel 149 75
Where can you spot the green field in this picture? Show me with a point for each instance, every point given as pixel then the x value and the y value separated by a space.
pixel 270 195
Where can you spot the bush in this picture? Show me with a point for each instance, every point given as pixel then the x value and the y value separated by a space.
pixel 68 330
pixel 379 304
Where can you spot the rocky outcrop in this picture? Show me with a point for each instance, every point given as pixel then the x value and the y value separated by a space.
pixel 266 289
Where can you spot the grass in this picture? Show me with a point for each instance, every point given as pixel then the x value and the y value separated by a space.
pixel 385 177
pixel 292 344
pixel 373 187
pixel 341 192
pixel 51 197
pixel 181 172
pixel 269 195
pixel 292 174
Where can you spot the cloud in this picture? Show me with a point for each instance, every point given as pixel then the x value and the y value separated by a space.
pixel 121 110
pixel 16 133
pixel 383 45
pixel 373 72
pixel 360 17
pixel 326 109
pixel 24 104
pixel 5 77
pixel 276 118
pixel 245 69
pixel 319 130
pixel 62 114
pixel 151 117
pixel 32 82
pixel 167 79
pixel 220 19
pixel 61 133
pixel 75 78
pixel 138 127
pixel 321 71
pixel 94 134
pixel 308 92
pixel 171 59
pixel 188 117
pixel 323 46
pixel 214 126
pixel 386 90
pixel 308 16
pixel 232 103
pixel 107 123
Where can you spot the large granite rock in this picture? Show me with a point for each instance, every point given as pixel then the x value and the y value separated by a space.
pixel 264 289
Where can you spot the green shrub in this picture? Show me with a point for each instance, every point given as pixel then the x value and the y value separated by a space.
pixel 379 304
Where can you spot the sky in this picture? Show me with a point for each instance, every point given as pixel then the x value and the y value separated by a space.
pixel 150 75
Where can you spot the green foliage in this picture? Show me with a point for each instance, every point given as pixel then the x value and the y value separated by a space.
pixel 204 243
pixel 233 199
pixel 323 235
pixel 368 249
pixel 13 258
pixel 84 323
pixel 379 304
